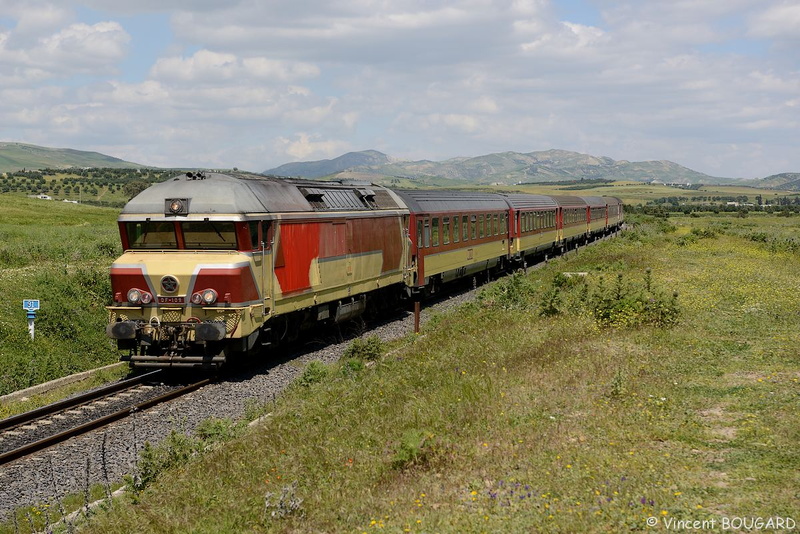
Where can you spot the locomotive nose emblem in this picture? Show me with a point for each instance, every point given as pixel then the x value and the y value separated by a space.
pixel 169 284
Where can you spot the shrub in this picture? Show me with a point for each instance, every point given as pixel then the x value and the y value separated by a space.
pixel 413 449
pixel 315 372
pixel 364 349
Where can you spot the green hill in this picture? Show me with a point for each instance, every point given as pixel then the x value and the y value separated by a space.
pixel 505 168
pixel 19 156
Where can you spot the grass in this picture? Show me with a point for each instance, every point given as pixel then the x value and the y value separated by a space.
pixel 501 418
pixel 60 254
pixel 633 193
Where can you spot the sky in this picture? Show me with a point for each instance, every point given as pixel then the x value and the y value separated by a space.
pixel 713 85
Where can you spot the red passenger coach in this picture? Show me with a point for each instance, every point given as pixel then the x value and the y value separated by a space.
pixel 455 234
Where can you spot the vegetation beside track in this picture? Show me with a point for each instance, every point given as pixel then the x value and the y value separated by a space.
pixel 555 412
pixel 58 253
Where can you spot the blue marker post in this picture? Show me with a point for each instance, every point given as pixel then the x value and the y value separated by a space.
pixel 31 306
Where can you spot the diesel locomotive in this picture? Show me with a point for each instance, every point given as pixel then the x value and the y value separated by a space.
pixel 222 264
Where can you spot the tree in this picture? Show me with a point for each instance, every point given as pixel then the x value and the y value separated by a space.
pixel 132 189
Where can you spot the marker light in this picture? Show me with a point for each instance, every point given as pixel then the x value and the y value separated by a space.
pixel 197 298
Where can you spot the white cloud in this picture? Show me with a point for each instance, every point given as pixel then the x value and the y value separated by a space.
pixel 311 147
pixel 76 49
pixel 780 21
pixel 213 68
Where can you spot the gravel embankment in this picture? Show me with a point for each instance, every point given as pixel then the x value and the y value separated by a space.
pixel 110 453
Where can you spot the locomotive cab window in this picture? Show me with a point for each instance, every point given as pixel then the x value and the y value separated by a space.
pixel 151 235
pixel 202 235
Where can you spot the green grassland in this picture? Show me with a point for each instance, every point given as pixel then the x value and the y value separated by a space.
pixel 632 193
pixel 59 253
pixel 662 383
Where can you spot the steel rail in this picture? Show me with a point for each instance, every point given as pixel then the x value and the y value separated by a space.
pixel 97 423
pixel 73 402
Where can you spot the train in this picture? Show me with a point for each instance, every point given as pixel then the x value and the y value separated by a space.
pixel 217 265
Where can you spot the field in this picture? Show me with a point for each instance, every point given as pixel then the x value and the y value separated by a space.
pixel 59 253
pixel 633 193
pixel 660 386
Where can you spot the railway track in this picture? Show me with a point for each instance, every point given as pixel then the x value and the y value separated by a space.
pixel 24 434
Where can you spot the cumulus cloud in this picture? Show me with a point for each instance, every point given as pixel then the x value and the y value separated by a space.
pixel 310 146
pixel 210 67
pixel 780 21
pixel 75 49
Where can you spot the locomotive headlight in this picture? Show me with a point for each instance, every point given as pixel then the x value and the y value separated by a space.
pixel 137 296
pixel 176 206
pixel 134 296
pixel 209 296
pixel 197 298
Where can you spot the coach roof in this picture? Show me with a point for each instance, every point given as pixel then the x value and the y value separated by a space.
pixel 440 201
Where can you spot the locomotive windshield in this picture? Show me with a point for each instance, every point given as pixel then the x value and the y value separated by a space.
pixel 152 235
pixel 197 235
pixel 208 235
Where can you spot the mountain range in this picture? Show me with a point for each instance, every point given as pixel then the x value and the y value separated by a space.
pixel 507 168
pixel 504 168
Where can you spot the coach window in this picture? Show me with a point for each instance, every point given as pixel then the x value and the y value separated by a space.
pixel 496 224
pixel 480 226
pixel 435 232
pixel 420 243
pixel 427 236
pixel 446 231
pixel 465 227
pixel 473 226
pixel 456 228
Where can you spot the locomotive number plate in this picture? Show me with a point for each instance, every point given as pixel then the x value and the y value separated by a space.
pixel 172 300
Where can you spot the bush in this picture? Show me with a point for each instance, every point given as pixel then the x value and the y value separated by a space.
pixel 364 349
pixel 315 372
